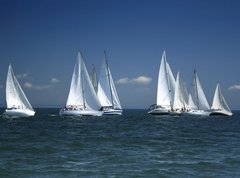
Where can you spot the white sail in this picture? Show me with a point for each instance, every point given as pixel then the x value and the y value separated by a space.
pixel 219 102
pixel 75 96
pixel 15 96
pixel 90 96
pixel 107 93
pixel 179 102
pixel 166 84
pixel 201 100
pixel 94 79
pixel 81 93
pixel 190 104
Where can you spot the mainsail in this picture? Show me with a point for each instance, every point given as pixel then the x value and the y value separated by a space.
pixel 179 100
pixel 15 96
pixel 166 84
pixel 107 92
pixel 94 79
pixel 201 100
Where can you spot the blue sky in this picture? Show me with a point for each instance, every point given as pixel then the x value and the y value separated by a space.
pixel 40 38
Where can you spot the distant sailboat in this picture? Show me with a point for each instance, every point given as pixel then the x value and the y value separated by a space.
pixel 82 99
pixel 107 92
pixel 203 108
pixel 165 91
pixel 219 105
pixel 17 102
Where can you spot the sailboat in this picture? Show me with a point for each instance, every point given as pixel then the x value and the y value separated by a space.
pixel 17 102
pixel 203 108
pixel 165 89
pixel 179 102
pixel 82 99
pixel 219 105
pixel 107 92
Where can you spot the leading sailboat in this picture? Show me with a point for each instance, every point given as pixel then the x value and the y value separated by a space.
pixel 219 105
pixel 107 92
pixel 82 99
pixel 165 90
pixel 17 102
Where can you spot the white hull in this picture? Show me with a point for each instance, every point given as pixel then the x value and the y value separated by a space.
pixel 221 112
pixel 197 113
pixel 175 113
pixel 19 112
pixel 158 110
pixel 64 112
pixel 112 112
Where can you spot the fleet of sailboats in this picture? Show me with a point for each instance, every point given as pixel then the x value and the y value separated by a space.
pixel 173 98
pixel 92 96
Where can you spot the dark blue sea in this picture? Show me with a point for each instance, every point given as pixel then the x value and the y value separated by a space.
pixel 132 145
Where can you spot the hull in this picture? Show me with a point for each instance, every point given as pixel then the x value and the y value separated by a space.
pixel 175 113
pixel 19 113
pixel 197 113
pixel 158 110
pixel 221 113
pixel 64 112
pixel 112 112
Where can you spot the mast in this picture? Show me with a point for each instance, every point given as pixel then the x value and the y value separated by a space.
pixel 196 87
pixel 108 76
pixel 81 75
pixel 220 95
pixel 168 81
pixel 94 78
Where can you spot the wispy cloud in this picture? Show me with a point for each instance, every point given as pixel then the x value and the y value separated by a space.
pixel 52 83
pixel 234 88
pixel 124 80
pixel 22 76
pixel 142 80
pixel 54 80
pixel 36 87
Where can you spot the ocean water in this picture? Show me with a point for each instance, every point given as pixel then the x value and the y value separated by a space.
pixel 132 145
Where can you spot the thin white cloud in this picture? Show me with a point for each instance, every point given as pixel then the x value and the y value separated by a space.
pixel 124 80
pixel 36 87
pixel 55 80
pixel 234 88
pixel 142 80
pixel 22 76
pixel 52 83
pixel 28 85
